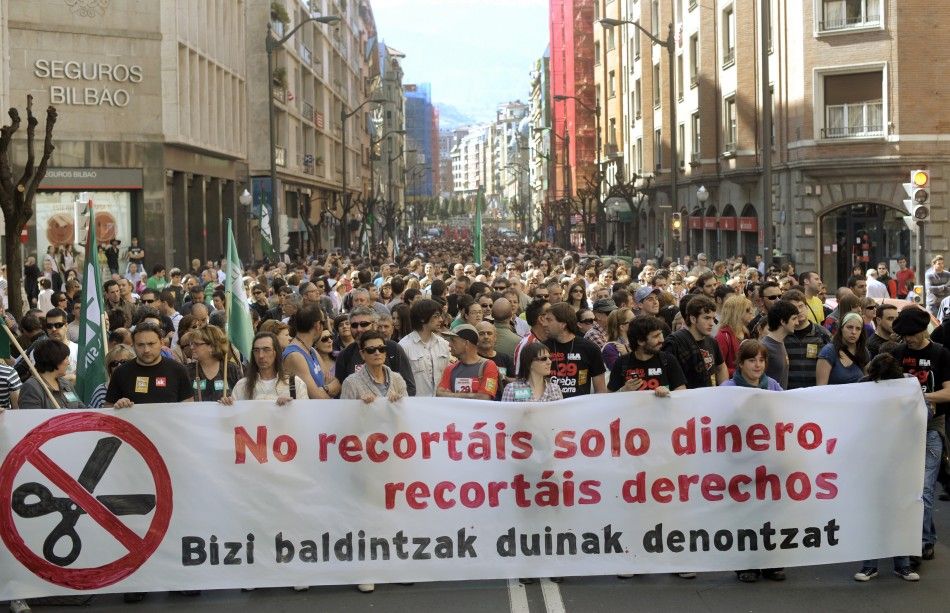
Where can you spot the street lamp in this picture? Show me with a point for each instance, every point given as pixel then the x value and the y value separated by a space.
pixel 345 197
pixel 245 198
pixel 269 45
pixel 670 45
pixel 702 195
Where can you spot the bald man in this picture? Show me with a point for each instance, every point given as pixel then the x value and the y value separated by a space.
pixel 506 340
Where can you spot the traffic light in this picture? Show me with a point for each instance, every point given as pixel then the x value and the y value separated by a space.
pixel 918 194
pixel 676 225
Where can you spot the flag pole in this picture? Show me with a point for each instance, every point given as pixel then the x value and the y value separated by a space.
pixel 30 365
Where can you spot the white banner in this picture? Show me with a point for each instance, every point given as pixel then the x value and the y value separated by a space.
pixel 202 496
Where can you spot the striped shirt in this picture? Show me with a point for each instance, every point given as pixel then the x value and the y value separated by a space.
pixel 803 347
pixel 9 383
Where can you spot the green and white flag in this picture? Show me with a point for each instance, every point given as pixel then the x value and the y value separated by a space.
pixel 91 370
pixel 239 329
pixel 477 237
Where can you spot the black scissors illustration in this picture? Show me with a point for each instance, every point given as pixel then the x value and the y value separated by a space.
pixel 92 472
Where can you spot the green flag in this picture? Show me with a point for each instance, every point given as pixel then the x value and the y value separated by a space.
pixel 91 369
pixel 239 329
pixel 477 237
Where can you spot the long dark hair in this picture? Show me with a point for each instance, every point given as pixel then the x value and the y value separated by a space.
pixel 861 355
pixel 528 354
pixel 583 301
pixel 253 374
pixel 401 312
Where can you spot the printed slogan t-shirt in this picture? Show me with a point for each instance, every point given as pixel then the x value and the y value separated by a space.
pixel 574 364
pixel 166 381
pixel 654 372
pixel 930 366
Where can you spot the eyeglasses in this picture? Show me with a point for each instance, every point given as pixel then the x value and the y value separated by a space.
pixel 197 343
pixel 326 339
pixel 544 296
pixel 374 349
pixel 542 358
pixel 55 325
pixel 774 297
pixel 116 363
pixel 586 321
pixel 360 324
pixel 144 301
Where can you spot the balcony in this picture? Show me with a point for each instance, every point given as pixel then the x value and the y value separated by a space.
pixel 729 149
pixel 279 93
pixel 307 111
pixel 853 131
pixel 307 161
pixel 694 158
pixel 853 22
pixel 694 81
pixel 280 155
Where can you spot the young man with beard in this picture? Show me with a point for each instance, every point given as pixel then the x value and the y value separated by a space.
pixel 694 346
pixel 883 328
pixel 803 345
pixel 646 368
pixel 783 318
pixel 576 363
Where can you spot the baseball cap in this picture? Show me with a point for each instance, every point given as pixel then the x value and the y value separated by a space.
pixel 464 331
pixel 604 305
pixel 642 293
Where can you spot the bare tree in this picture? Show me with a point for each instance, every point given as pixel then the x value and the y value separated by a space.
pixel 17 195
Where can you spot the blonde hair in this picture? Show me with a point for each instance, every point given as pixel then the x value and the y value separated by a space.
pixel 614 320
pixel 214 336
pixel 733 312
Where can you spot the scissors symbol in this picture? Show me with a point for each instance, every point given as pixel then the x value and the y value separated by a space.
pixel 92 472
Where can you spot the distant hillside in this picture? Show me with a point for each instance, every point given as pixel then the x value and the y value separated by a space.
pixel 450 117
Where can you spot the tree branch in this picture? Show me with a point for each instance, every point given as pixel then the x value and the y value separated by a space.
pixel 31 123
pixel 48 149
pixel 6 173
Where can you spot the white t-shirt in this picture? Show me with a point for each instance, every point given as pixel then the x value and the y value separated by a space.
pixel 269 389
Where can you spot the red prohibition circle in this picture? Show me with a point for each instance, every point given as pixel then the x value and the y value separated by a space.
pixel 100 576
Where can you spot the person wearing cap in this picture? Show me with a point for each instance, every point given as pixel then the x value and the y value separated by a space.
pixel 929 363
pixel 647 301
pixel 472 376
pixel 598 332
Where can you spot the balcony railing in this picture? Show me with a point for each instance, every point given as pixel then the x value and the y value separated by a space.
pixel 694 158
pixel 307 162
pixel 849 23
pixel 693 81
pixel 305 54
pixel 280 155
pixel 729 148
pixel 852 131
pixel 280 94
pixel 307 111
pixel 729 57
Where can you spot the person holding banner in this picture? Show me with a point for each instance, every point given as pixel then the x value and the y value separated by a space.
pixel 376 379
pixel 151 378
pixel 534 382
pixel 51 389
pixel 265 378
pixel 214 372
pixel 472 376
pixel 300 358
pixel 646 367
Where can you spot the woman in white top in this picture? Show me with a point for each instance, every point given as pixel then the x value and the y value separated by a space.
pixel 265 378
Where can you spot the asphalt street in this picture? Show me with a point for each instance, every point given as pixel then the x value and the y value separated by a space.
pixel 813 588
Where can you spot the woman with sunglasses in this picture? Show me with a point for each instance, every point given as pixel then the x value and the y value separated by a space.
pixel 327 361
pixel 617 345
pixel 534 383
pixel 577 296
pixel 265 378
pixel 375 379
pixel 585 320
pixel 209 346
pixel 117 356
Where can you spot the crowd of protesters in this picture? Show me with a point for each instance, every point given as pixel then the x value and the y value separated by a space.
pixel 530 323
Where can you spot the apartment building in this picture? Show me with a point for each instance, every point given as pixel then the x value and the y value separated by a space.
pixel 388 142
pixel 540 163
pixel 854 112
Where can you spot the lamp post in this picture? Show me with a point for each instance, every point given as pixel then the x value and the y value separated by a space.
pixel 345 196
pixel 702 195
pixel 596 111
pixel 269 45
pixel 670 45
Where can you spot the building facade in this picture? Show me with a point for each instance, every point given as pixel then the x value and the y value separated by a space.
pixel 540 163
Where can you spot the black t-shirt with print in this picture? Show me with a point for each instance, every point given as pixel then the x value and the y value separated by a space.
pixel 166 381
pixel 698 359
pixel 574 364
pixel 931 366
pixel 660 370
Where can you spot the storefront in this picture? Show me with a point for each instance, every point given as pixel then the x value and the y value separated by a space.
pixel 861 235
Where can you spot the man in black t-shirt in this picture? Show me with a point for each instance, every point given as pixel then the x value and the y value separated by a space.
pixel 646 368
pixel 576 364
pixel 694 348
pixel 150 378
pixel 929 363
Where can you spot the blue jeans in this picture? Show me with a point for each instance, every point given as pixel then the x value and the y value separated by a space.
pixel 899 563
pixel 931 468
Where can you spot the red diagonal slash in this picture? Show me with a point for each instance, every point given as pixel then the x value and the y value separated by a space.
pixel 78 494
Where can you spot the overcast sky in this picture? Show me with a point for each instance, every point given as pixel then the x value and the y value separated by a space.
pixel 475 53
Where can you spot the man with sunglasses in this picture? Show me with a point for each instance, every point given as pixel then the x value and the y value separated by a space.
pixel 55 328
pixel 350 361
pixel 768 293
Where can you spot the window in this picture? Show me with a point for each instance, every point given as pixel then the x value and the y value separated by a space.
pixel 597 53
pixel 731 124
pixel 637 98
pixel 656 86
pixel 612 136
pixel 679 77
pixel 694 60
pixel 658 149
pixel 681 144
pixel 728 36
pixel 696 149
pixel 636 41
pixel 611 40
pixel 849 14
pixel 639 156
pixel 854 105
pixel 655 18
pixel 611 84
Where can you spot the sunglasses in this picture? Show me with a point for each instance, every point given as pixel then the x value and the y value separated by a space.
pixel 117 363
pixel 360 324
pixel 55 326
pixel 374 349
pixel 775 297
pixel 144 301
pixel 326 339
pixel 586 321
pixel 543 358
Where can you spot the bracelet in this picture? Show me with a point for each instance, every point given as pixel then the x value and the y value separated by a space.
pixel 327 390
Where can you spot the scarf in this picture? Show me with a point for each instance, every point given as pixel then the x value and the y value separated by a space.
pixel 740 381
